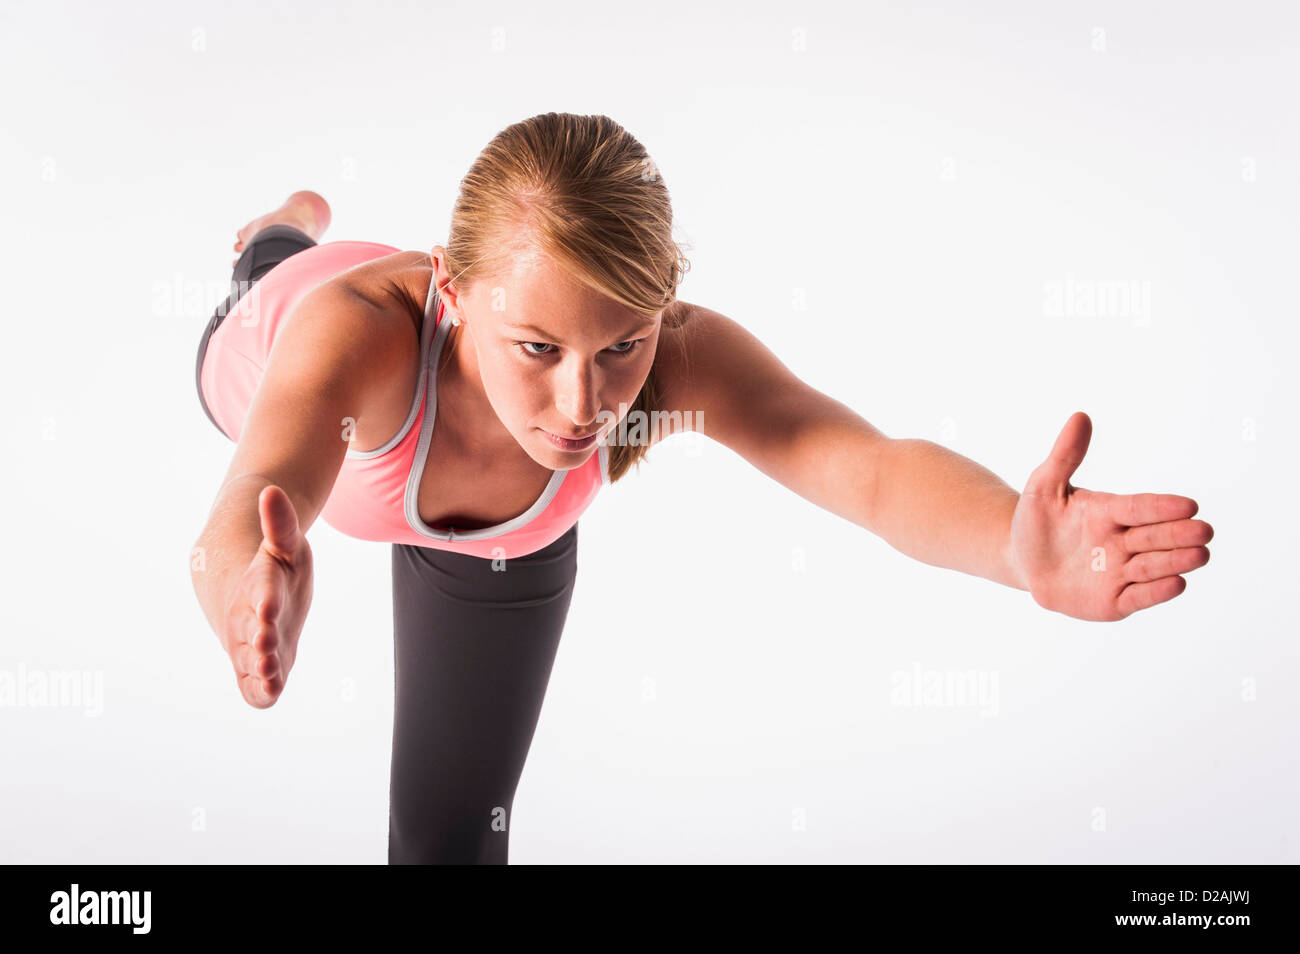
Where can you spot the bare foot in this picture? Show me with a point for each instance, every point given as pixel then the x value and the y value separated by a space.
pixel 304 210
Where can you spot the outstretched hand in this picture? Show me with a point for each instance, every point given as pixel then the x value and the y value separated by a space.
pixel 267 609
pixel 1099 556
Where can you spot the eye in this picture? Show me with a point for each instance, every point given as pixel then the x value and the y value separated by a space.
pixel 523 346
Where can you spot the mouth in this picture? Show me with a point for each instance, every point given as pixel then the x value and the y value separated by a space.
pixel 569 444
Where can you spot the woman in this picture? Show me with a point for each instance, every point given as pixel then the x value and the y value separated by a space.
pixel 467 404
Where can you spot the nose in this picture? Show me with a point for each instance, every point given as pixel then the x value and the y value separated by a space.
pixel 577 397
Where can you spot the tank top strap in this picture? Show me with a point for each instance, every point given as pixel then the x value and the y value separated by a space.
pixel 432 305
pixel 428 329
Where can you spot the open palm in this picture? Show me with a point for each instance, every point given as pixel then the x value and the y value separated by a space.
pixel 1100 556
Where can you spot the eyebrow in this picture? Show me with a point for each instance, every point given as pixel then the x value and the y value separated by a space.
pixel 645 325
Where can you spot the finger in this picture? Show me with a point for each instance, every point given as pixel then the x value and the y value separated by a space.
pixel 261 665
pixel 1168 536
pixel 258 657
pixel 1051 477
pixel 267 598
pixel 252 688
pixel 1134 510
pixel 265 686
pixel 1154 564
pixel 260 693
pixel 262 596
pixel 280 529
pixel 1140 596
pixel 254 637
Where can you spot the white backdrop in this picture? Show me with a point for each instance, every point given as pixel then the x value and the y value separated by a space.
pixel 893 198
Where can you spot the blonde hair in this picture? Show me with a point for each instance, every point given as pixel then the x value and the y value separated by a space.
pixel 583 191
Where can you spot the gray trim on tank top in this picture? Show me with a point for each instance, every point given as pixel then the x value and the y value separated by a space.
pixel 430 311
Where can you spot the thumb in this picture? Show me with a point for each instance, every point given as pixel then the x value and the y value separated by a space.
pixel 1052 476
pixel 279 520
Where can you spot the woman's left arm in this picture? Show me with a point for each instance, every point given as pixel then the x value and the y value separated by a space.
pixel 1086 554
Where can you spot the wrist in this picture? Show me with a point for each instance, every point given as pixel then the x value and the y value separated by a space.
pixel 1013 573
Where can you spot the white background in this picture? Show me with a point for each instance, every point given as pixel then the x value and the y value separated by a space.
pixel 884 194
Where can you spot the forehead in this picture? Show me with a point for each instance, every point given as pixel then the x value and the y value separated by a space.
pixel 530 286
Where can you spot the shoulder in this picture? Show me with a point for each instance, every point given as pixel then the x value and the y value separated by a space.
pixel 711 366
pixel 397 282
pixel 352 330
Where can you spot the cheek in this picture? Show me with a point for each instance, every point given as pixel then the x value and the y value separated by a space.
pixel 629 384
pixel 515 394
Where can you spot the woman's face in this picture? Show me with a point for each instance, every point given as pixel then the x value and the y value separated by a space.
pixel 555 357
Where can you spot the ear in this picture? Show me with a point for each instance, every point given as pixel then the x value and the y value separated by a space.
pixel 442 277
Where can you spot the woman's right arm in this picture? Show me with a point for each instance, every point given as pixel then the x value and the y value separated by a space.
pixel 327 358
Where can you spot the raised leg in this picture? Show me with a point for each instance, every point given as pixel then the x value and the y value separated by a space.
pixel 267 249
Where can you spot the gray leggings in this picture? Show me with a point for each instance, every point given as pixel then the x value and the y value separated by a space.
pixel 473 647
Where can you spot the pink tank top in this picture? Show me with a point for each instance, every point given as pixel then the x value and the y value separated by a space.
pixel 375 494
